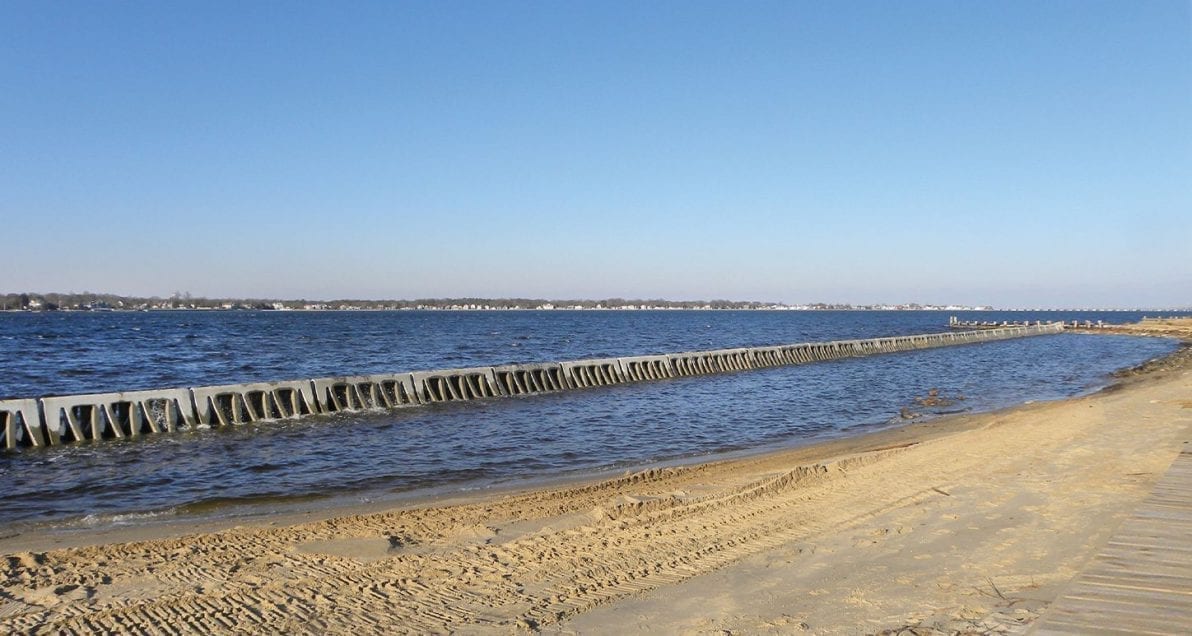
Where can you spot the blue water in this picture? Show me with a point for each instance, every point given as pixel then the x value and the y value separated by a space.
pixel 478 444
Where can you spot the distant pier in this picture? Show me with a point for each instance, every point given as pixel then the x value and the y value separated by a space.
pixel 57 420
pixel 956 323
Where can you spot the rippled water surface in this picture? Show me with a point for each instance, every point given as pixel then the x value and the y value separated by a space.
pixel 480 443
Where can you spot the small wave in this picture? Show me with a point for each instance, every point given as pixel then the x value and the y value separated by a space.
pixel 123 519
pixel 213 504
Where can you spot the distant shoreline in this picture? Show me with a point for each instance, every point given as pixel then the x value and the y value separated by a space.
pixel 638 308
pixel 495 309
pixel 95 301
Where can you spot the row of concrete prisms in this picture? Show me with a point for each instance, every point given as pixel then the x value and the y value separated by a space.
pixel 50 421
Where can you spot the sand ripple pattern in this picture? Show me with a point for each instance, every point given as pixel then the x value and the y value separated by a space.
pixel 527 560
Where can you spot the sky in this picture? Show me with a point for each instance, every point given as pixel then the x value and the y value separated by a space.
pixel 1017 154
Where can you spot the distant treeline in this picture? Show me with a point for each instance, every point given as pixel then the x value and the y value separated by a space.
pixel 89 301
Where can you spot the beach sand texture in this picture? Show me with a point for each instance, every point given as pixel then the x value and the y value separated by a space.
pixel 965 523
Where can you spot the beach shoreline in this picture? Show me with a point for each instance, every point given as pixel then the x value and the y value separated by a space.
pixel 158 524
pixel 748 543
pixel 51 535
pixel 140 518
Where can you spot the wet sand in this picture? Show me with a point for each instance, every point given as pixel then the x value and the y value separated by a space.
pixel 965 523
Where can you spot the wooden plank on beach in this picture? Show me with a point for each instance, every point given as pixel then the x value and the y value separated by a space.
pixel 1141 581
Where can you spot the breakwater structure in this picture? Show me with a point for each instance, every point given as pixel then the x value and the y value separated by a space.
pixel 56 420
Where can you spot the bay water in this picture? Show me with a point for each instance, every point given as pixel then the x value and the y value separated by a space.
pixel 258 468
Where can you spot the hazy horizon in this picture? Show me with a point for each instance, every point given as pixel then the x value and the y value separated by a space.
pixel 186 296
pixel 1012 154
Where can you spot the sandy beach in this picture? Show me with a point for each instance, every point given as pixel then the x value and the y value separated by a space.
pixel 972 522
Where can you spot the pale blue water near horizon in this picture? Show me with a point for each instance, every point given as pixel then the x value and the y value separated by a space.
pixel 481 444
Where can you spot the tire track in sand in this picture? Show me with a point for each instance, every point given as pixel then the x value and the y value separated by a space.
pixel 260 583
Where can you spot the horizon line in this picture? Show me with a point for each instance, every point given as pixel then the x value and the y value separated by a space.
pixel 541 303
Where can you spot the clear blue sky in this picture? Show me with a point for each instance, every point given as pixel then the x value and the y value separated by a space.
pixel 1019 154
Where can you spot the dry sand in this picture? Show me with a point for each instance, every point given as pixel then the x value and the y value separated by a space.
pixel 971 523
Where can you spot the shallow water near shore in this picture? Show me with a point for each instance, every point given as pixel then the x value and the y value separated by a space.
pixel 475 445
